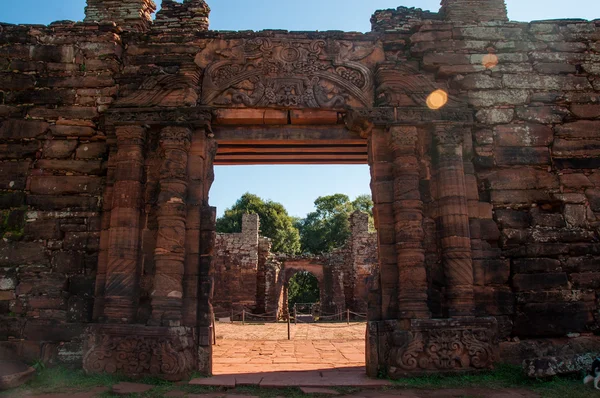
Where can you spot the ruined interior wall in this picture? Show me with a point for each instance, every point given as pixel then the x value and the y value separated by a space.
pixel 236 268
pixel 55 82
pixel 531 163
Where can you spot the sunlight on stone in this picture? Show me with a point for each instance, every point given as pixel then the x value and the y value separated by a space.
pixel 437 99
pixel 490 61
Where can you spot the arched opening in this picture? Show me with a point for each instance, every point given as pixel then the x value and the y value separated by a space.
pixel 303 294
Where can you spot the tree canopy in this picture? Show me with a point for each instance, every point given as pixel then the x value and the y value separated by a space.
pixel 303 288
pixel 328 227
pixel 275 222
pixel 322 231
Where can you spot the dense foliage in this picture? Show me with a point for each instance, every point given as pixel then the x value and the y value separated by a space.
pixel 328 227
pixel 275 222
pixel 303 288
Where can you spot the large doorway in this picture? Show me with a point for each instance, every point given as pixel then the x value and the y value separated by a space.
pixel 308 323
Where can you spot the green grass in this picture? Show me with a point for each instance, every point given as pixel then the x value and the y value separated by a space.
pixel 62 379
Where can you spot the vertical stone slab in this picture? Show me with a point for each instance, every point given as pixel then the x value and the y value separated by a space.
pixel 382 188
pixel 208 223
pixel 454 220
pixel 195 201
pixel 107 202
pixel 122 273
pixel 408 223
pixel 169 255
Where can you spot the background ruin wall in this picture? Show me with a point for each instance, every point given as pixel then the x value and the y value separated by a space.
pixel 248 276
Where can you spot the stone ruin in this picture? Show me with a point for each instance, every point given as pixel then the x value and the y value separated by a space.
pixel 247 276
pixel 482 136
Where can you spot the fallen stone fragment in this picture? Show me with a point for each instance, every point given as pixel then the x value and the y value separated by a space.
pixel 554 366
pixel 14 373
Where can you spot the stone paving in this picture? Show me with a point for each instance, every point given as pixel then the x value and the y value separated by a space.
pixel 264 348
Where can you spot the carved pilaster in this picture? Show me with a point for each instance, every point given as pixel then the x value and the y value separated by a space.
pixel 408 219
pixel 169 255
pixel 121 289
pixel 454 220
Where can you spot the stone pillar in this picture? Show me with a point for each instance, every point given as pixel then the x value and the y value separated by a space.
pixel 121 291
pixel 169 255
pixel 130 15
pixel 107 202
pixel 208 222
pixel 454 220
pixel 382 188
pixel 408 222
pixel 474 10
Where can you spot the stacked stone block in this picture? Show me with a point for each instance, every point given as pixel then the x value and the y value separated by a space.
pixel 55 83
pixel 474 10
pixel 130 15
pixel 190 15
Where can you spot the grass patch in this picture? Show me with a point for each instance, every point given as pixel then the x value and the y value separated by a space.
pixel 62 379
pixel 503 377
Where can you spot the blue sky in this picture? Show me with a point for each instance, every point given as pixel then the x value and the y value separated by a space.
pixel 295 186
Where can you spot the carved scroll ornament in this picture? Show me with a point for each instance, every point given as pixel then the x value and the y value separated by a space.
pixel 288 73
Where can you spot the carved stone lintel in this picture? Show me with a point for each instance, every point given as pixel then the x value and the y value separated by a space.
pixel 138 350
pixel 443 345
pixel 195 116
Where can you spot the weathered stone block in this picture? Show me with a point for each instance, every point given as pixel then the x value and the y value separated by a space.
pixel 59 149
pixel 14 175
pixel 530 135
pixel 541 281
pixel 70 165
pixel 92 150
pixel 19 150
pixel 536 265
pixel 522 178
pixel 522 155
pixel 579 129
pixel 495 116
pixel 18 129
pixel 55 185
pixel 550 319
pixel 512 218
pixel 67 262
pixel 593 196
pixel 42 229
pixel 20 253
pixel 49 202
pixel 71 131
pixel 588 280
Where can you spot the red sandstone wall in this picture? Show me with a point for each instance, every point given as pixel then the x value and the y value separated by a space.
pixel 54 83
pixel 534 184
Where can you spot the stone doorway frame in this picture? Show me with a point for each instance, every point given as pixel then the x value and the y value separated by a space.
pixel 175 340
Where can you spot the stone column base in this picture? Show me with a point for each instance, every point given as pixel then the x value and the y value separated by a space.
pixel 139 350
pixel 431 346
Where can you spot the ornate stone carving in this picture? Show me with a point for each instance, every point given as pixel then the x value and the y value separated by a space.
pixel 198 116
pixel 288 73
pixel 138 350
pixel 443 345
pixel 449 134
pixel 165 90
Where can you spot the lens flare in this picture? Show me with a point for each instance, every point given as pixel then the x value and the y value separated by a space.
pixel 489 61
pixel 437 99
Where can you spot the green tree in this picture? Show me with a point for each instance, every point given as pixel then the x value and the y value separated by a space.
pixel 328 227
pixel 275 222
pixel 303 288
